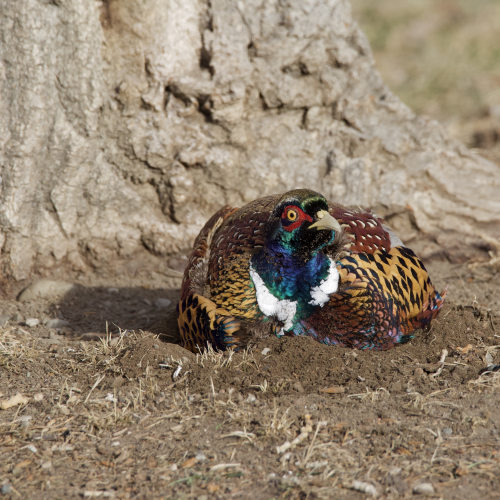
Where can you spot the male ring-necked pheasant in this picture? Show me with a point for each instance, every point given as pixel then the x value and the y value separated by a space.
pixel 294 264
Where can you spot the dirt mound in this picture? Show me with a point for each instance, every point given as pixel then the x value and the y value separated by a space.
pixel 300 365
pixel 143 354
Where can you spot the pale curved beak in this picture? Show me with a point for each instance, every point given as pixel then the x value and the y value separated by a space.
pixel 325 221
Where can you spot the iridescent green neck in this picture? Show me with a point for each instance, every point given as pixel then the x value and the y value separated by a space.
pixel 287 275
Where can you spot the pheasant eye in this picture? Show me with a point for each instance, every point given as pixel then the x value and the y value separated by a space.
pixel 292 215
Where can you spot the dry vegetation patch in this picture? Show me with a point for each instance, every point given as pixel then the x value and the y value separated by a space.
pixel 130 415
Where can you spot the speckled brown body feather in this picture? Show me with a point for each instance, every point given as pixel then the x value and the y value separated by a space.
pixel 234 235
pixel 384 295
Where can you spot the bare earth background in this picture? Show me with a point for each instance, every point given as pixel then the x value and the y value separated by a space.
pixel 111 416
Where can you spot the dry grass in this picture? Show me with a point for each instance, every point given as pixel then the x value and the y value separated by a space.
pixel 157 432
pixel 324 456
pixel 279 424
pixel 14 343
pixel 104 352
pixel 216 359
pixel 371 395
pixel 488 381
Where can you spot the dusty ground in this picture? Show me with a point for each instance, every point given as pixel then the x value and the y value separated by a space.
pixel 109 418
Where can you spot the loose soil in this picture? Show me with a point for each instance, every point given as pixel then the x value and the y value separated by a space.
pixel 118 409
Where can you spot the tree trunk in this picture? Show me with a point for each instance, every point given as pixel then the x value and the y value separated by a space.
pixel 125 123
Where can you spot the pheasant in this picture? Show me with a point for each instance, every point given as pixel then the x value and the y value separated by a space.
pixel 295 264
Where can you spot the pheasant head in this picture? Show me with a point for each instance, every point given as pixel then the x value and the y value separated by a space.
pixel 300 225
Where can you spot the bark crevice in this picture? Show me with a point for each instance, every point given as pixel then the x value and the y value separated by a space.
pixel 124 125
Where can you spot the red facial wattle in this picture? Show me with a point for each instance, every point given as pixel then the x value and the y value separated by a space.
pixel 290 225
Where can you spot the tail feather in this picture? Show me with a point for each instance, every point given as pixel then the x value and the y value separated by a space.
pixel 430 309
pixel 201 322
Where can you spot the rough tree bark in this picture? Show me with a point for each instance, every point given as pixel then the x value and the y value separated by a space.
pixel 124 123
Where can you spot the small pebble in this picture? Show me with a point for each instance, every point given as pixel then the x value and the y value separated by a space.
pixel 31 322
pixel 45 288
pixel 424 489
pixel 64 410
pixel 447 431
pixel 298 387
pixel 16 471
pixel 38 396
pixel 290 481
pixel 146 301
pixel 489 359
pixel 313 407
pixel 32 448
pixel 200 457
pixel 6 489
pixel 112 290
pixel 265 351
pixel 18 399
pixel 251 398
pixel 395 471
pixel 176 372
pixel 116 443
pixel 25 421
pixel 173 467
pixel 47 464
pixel 335 389
pixel 367 488
pixel 114 341
pixel 56 323
pixel 162 303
